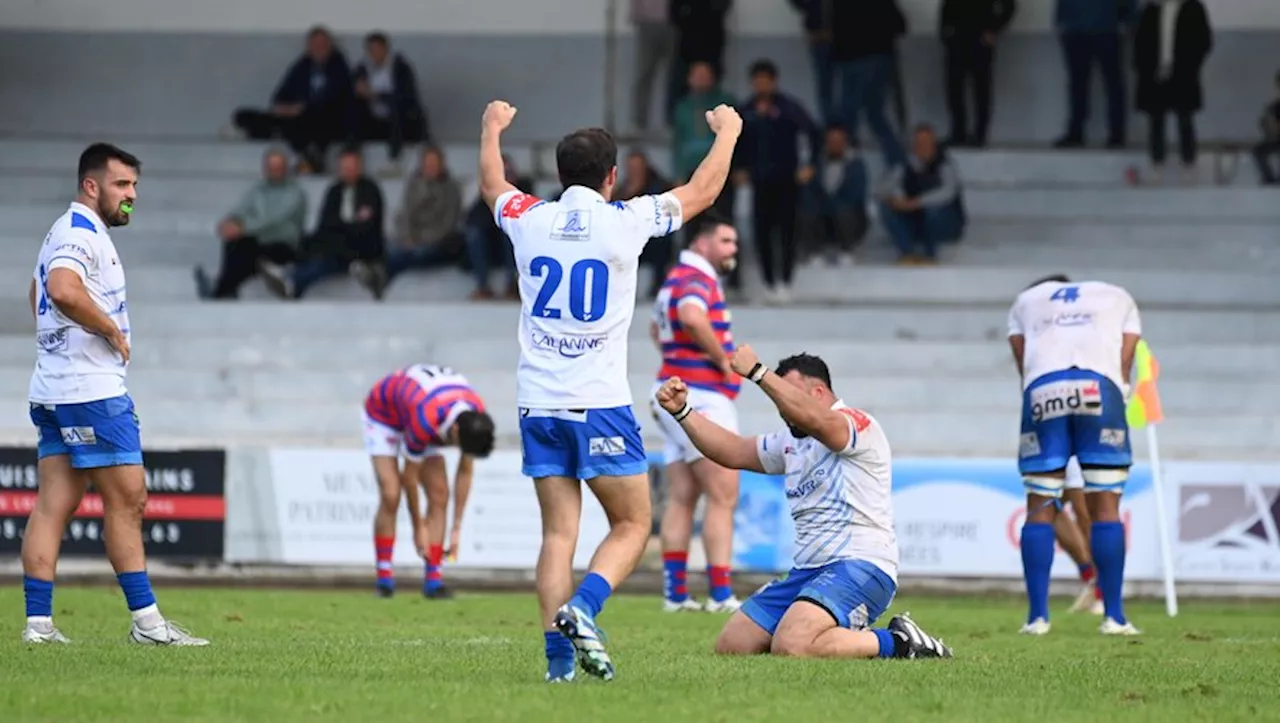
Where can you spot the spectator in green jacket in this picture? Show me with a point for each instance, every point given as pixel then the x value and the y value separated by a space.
pixel 691 136
pixel 267 224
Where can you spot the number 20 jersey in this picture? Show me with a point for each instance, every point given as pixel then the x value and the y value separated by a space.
pixel 577 259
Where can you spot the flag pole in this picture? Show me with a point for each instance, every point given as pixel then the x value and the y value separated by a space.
pixel 1162 522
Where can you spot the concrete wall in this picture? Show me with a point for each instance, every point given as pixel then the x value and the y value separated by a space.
pixel 169 68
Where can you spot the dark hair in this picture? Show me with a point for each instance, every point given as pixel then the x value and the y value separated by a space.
pixel 925 128
pixel 808 365
pixel 704 224
pixel 585 157
pixel 351 150
pixel 475 433
pixel 377 36
pixel 837 126
pixel 1055 278
pixel 95 158
pixel 319 30
pixel 763 66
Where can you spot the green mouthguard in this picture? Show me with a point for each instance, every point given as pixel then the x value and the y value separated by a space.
pixel 126 207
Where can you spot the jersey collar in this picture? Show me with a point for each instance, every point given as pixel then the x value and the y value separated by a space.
pixel 689 258
pixel 582 192
pixel 92 214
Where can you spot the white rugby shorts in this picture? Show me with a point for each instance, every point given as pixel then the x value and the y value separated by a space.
pixel 714 406
pixel 383 441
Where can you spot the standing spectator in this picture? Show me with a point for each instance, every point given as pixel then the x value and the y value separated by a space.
pixel 387 106
pixel 834 204
pixel 1089 31
pixel 488 245
pixel 773 127
pixel 817 29
pixel 1169 49
pixel 265 225
pixel 700 35
pixel 350 231
pixel 310 106
pixel 1269 146
pixel 655 42
pixel 969 29
pixel 922 204
pixel 426 230
pixel 862 47
pixel 641 180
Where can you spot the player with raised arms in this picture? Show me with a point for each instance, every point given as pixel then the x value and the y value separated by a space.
pixel 1073 344
pixel 88 430
pixel 577 259
pixel 415 412
pixel 837 464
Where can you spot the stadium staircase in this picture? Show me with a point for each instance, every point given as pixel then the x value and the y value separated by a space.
pixel 922 348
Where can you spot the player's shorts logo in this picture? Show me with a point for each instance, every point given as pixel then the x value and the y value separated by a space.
pixel 78 436
pixel 1029 445
pixel 606 446
pixel 1113 437
pixel 1060 399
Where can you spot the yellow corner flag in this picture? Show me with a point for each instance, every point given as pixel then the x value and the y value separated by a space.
pixel 1144 403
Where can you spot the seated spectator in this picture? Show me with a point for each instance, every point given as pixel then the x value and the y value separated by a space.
pixel 426 231
pixel 310 106
pixel 488 245
pixel 349 236
pixel 265 225
pixel 833 205
pixel 643 180
pixel 1269 147
pixel 387 106
pixel 923 205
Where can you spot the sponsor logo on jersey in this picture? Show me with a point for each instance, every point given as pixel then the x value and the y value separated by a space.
pixel 572 226
pixel 52 341
pixel 1061 399
pixel 569 346
pixel 518 204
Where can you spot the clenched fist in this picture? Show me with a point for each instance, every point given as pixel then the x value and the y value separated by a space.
pixel 724 119
pixel 744 359
pixel 498 115
pixel 673 395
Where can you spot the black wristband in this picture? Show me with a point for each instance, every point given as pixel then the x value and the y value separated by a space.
pixel 685 411
pixel 757 372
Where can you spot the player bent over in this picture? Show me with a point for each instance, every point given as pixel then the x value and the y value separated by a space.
pixel 415 411
pixel 838 481
pixel 1073 344
pixel 88 430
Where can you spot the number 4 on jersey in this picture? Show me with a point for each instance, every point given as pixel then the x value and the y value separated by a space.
pixel 1066 294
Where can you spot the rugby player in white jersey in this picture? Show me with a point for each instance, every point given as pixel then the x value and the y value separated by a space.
pixel 88 430
pixel 838 484
pixel 1073 343
pixel 577 259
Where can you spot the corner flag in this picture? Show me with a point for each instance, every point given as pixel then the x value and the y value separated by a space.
pixel 1144 404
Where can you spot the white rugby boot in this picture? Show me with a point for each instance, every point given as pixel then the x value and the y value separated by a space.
pixel 684 606
pixel 727 605
pixel 1111 627
pixel 166 633
pixel 1039 626
pixel 39 633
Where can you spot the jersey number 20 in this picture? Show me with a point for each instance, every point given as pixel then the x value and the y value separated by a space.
pixel 582 306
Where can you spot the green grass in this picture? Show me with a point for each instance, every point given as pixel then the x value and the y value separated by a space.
pixel 306 656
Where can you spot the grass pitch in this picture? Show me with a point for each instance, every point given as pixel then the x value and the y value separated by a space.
pixel 307 656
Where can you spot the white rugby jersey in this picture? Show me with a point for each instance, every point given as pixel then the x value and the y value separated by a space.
pixel 577 259
pixel 841 502
pixel 74 365
pixel 1077 324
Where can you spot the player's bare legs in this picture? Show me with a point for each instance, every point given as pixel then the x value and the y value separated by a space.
pixel 720 485
pixel 60 492
pixel 1108 547
pixel 435 482
pixel 808 630
pixel 741 636
pixel 1038 549
pixel 1073 536
pixel 676 531
pixel 386 470
pixel 560 500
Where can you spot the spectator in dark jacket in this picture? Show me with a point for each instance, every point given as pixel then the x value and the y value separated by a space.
pixel 426 229
pixel 773 126
pixel 642 179
pixel 349 236
pixel 922 204
pixel 1269 146
pixel 817 29
pixel 311 104
pixel 700 36
pixel 834 202
pixel 387 105
pixel 969 29
pixel 864 40
pixel 488 245
pixel 1168 53
pixel 1090 33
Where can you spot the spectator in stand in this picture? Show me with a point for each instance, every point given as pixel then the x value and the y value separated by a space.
pixel 1090 33
pixel 1169 49
pixel 655 44
pixel 817 28
pixel 834 203
pixel 969 29
pixel 310 106
pixel 426 229
pixel 862 47
pixel 488 245
pixel 348 238
pixel 1269 147
pixel 774 125
pixel 267 224
pixel 700 35
pixel 387 106
pixel 642 179
pixel 922 204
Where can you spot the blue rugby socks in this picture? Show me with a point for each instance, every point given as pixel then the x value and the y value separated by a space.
pixel 1107 545
pixel 140 599
pixel 592 594
pixel 1037 561
pixel 39 596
